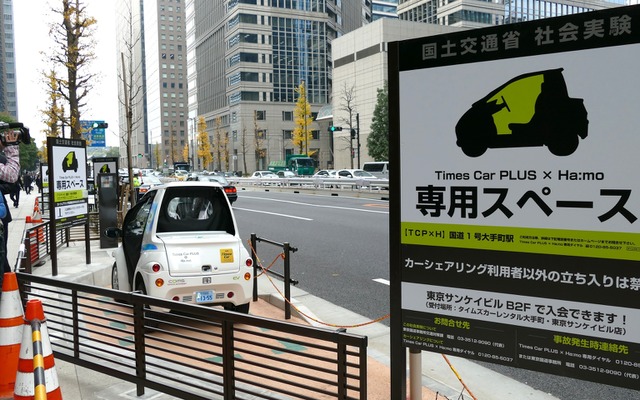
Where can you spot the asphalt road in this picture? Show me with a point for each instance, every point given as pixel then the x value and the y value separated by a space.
pixel 343 254
pixel 343 244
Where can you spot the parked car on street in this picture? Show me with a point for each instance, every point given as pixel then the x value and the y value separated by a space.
pixel 286 174
pixel 181 175
pixel 325 173
pixel 148 182
pixel 355 174
pixel 363 177
pixel 229 189
pixel 378 168
pixel 181 242
pixel 264 174
pixel 265 178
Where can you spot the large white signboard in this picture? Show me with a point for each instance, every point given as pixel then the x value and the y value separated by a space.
pixel 518 232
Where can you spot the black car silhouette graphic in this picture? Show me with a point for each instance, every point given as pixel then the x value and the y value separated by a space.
pixel 70 162
pixel 532 109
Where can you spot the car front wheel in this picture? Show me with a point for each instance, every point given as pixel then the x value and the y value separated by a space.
pixel 114 277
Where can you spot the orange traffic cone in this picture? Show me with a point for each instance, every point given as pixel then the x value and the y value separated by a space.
pixel 26 383
pixel 37 215
pixel 11 323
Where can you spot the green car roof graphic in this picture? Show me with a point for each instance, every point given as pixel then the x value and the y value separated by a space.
pixel 532 109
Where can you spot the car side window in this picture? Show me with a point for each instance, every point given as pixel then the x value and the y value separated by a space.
pixel 138 221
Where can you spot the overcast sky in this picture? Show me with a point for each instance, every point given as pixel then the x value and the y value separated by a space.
pixel 31 31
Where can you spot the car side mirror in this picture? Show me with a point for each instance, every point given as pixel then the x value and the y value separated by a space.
pixel 113 232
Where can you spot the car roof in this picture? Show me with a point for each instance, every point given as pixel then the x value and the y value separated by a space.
pixel 188 184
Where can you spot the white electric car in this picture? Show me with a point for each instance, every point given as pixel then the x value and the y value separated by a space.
pixel 180 242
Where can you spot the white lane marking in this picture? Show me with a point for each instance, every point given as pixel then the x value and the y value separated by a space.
pixel 317 205
pixel 383 281
pixel 272 213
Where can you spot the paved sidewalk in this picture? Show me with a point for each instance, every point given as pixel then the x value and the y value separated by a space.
pixel 439 382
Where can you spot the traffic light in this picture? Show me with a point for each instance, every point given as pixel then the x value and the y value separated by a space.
pixel 335 128
pixel 353 133
pixel 100 125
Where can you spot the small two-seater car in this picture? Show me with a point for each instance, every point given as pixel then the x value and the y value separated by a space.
pixel 532 109
pixel 181 242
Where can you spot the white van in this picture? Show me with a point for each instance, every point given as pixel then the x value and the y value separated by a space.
pixel 378 168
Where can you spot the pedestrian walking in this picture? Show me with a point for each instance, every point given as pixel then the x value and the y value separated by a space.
pixel 39 182
pixel 27 181
pixel 15 193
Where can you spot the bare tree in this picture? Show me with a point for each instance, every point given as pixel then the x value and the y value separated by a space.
pixel 132 95
pixel 347 105
pixel 173 145
pixel 244 148
pixel 258 137
pixel 217 143
pixel 73 52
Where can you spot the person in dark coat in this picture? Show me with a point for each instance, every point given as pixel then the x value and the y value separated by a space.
pixel 15 193
pixel 27 181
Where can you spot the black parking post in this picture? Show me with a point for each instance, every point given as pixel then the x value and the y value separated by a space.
pixel 287 281
pixel 254 258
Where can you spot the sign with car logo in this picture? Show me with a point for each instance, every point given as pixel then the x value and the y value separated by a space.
pixel 68 172
pixel 515 239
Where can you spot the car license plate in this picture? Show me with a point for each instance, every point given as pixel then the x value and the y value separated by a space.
pixel 205 296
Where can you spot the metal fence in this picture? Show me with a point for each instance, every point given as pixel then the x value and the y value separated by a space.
pixel 37 244
pixel 197 352
pixel 368 185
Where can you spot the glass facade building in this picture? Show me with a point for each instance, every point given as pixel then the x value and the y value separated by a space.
pixel 482 13
pixel 384 9
pixel 246 62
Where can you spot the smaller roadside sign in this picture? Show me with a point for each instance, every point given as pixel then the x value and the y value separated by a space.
pixel 95 137
pixel 68 170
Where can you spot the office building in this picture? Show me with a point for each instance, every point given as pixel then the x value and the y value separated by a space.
pixel 247 58
pixel 8 90
pixel 479 14
pixel 384 9
pixel 151 36
pixel 360 67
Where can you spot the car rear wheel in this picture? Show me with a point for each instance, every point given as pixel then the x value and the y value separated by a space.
pixel 242 308
pixel 564 145
pixel 140 287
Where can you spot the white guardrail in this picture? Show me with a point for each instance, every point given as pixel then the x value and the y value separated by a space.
pixel 316 183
